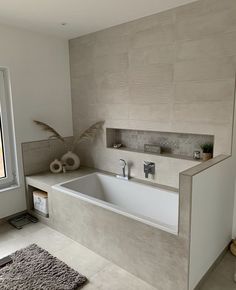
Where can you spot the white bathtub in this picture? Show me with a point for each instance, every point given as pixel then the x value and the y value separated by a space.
pixel 147 204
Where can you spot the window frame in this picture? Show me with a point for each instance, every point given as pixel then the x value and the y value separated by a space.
pixel 8 132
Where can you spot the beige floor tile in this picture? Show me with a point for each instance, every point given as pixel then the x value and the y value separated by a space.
pixel 8 247
pixel 221 278
pixel 49 239
pixel 7 232
pixel 82 259
pixel 115 278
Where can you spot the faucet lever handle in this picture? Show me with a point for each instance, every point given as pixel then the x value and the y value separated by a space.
pixel 122 163
pixel 148 163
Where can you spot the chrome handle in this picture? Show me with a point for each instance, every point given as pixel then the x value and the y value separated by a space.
pixel 122 163
pixel 149 163
pixel 123 166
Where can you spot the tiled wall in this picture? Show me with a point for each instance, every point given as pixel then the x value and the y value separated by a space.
pixel 171 72
pixel 38 155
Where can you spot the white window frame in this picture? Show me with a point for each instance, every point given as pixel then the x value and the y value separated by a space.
pixel 8 132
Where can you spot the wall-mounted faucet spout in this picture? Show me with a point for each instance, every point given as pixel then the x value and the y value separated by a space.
pixel 123 166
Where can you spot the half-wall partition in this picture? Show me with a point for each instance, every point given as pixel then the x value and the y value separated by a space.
pixel 211 199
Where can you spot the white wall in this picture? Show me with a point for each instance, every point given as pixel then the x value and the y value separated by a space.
pixel 40 79
pixel 211 218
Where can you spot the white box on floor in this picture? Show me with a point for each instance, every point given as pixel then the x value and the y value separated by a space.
pixel 40 199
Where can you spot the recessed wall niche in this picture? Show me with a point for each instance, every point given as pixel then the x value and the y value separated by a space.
pixel 176 145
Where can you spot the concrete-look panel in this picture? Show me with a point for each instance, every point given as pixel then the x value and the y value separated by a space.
pixel 151 254
pixel 173 71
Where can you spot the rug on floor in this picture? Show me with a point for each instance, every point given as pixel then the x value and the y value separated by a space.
pixel 34 268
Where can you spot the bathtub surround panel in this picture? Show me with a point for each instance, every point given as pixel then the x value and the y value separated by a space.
pixel 169 72
pixel 109 234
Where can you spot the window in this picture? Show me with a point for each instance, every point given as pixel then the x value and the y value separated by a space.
pixel 8 166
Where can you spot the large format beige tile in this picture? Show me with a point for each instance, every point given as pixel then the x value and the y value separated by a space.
pixel 217 5
pixel 151 74
pixel 208 112
pixel 152 54
pixel 7 233
pixel 222 277
pixel 152 21
pixel 82 41
pixel 12 239
pixel 12 245
pixel 40 234
pixel 214 46
pixel 49 239
pixel 111 63
pixel 115 278
pixel 204 69
pixel 117 34
pixel 210 91
pixel 154 112
pixel 187 12
pixel 84 87
pixel 112 88
pixel 205 24
pixel 117 111
pixel 110 44
pixel 153 94
pixel 81 259
pixel 159 34
pixel 76 70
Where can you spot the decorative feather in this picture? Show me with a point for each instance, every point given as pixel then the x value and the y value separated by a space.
pixel 89 134
pixel 48 128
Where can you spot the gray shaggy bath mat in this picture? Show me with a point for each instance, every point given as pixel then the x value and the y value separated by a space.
pixel 33 268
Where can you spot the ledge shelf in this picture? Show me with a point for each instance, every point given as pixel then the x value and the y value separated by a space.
pixel 172 145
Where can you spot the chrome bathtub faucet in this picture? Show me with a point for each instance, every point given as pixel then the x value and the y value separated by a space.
pixel 123 165
pixel 148 168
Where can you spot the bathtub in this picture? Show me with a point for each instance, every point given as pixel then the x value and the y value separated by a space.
pixel 147 204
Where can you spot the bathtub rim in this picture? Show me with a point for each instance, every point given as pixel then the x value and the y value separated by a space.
pixel 118 210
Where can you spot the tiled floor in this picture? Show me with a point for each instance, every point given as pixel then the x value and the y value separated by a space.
pixel 221 278
pixel 102 274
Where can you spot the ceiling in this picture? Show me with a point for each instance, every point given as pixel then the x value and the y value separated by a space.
pixel 81 16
